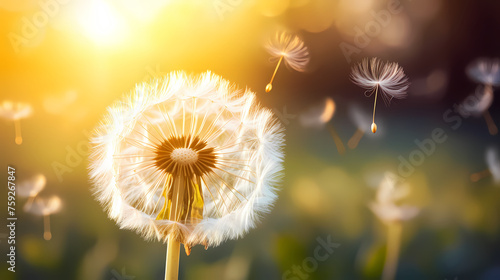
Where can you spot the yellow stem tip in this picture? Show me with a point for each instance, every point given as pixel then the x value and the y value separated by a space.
pixel 374 127
pixel 269 87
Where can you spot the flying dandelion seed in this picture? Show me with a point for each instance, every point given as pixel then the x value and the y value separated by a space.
pixel 386 208
pixel 374 75
pixel 361 119
pixel 480 108
pixel 30 188
pixel 493 162
pixel 187 159
pixel 318 116
pixel 46 207
pixel 15 112
pixel 486 72
pixel 291 49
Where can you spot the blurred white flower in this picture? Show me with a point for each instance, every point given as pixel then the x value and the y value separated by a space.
pixel 30 188
pixel 374 75
pixel 15 111
pixel 390 191
pixel 478 105
pixel 187 158
pixel 291 49
pixel 484 98
pixel 318 115
pixel 493 161
pixel 485 71
pixel 46 207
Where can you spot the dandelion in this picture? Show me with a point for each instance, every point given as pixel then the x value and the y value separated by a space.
pixel 291 49
pixel 31 188
pixel 386 208
pixel 493 162
pixel 187 159
pixel 361 119
pixel 15 112
pixel 477 105
pixel 485 72
pixel 46 207
pixel 318 116
pixel 374 75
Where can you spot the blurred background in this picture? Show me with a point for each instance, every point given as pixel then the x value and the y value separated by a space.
pixel 70 59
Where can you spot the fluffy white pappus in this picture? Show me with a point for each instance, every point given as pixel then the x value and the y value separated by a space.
pixel 46 205
pixel 32 186
pixel 493 161
pixel 390 191
pixel 291 48
pixel 485 71
pixel 237 188
pixel 388 77
pixel 15 110
pixel 318 115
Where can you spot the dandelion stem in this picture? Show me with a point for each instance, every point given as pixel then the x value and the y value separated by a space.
pixel 492 127
pixel 480 175
pixel 394 231
pixel 19 137
pixel 47 235
pixel 337 140
pixel 28 203
pixel 269 86
pixel 172 260
pixel 354 141
pixel 374 126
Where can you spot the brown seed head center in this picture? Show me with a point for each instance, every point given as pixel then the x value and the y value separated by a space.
pixel 184 156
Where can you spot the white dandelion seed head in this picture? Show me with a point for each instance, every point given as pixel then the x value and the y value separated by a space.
pixel 318 115
pixel 291 48
pixel 485 71
pixel 388 77
pixel 15 110
pixel 31 187
pixel 187 157
pixel 386 206
pixel 46 205
pixel 493 161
